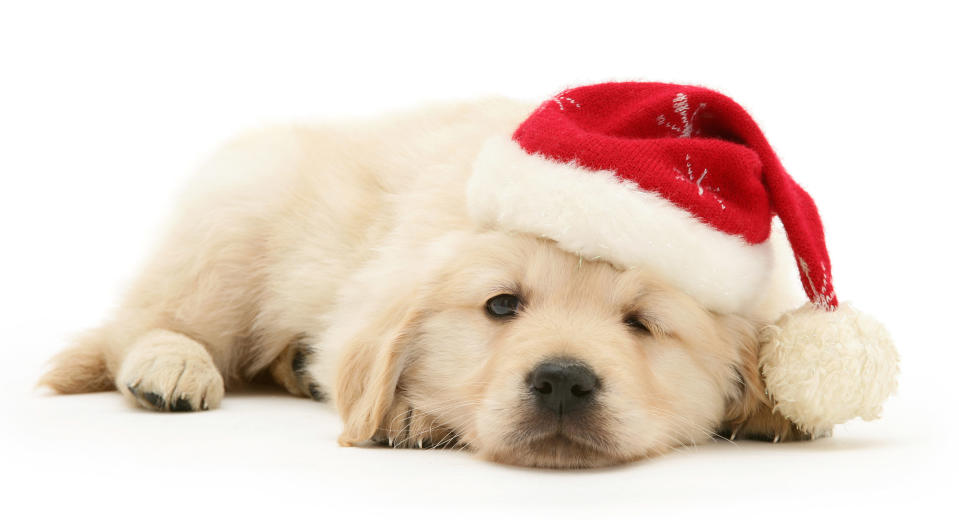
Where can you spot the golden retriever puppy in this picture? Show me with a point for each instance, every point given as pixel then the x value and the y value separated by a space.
pixel 341 262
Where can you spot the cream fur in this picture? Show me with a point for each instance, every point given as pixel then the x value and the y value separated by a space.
pixel 172 367
pixel 595 215
pixel 826 367
pixel 341 261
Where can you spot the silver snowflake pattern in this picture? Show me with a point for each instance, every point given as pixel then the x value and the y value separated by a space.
pixel 562 100
pixel 686 127
pixel 823 295
pixel 688 175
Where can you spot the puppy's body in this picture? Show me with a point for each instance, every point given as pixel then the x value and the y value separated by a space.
pixel 341 261
pixel 273 227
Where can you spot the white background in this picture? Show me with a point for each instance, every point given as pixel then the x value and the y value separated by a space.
pixel 105 107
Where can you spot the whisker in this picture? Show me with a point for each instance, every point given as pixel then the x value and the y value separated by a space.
pixel 678 420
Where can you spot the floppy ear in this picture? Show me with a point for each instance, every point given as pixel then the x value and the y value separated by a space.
pixel 750 413
pixel 369 372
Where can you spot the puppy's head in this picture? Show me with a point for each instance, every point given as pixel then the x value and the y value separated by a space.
pixel 533 356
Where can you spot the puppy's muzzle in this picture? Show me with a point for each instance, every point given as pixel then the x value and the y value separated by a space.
pixel 563 386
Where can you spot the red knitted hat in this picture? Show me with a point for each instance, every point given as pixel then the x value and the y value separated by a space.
pixel 680 180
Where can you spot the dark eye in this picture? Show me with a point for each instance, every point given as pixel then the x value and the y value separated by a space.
pixel 634 322
pixel 503 306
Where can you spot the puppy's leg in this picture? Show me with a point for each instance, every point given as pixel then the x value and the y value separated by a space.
pixel 765 425
pixel 164 370
pixel 289 369
pixel 407 427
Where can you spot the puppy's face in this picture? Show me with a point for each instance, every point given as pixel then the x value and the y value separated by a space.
pixel 530 355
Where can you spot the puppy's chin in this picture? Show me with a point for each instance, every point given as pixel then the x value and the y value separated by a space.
pixel 550 442
pixel 556 450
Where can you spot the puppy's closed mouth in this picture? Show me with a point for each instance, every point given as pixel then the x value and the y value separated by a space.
pixel 555 450
pixel 559 443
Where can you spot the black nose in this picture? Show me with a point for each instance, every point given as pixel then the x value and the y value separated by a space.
pixel 562 385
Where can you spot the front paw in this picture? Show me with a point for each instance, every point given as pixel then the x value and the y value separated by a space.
pixel 766 425
pixel 174 380
pixel 407 427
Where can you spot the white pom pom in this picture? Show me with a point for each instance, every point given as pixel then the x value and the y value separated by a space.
pixel 823 368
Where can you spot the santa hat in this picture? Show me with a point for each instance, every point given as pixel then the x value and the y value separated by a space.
pixel 679 180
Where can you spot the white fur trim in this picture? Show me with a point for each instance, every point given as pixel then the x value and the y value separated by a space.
pixel 596 215
pixel 823 368
pixel 784 291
